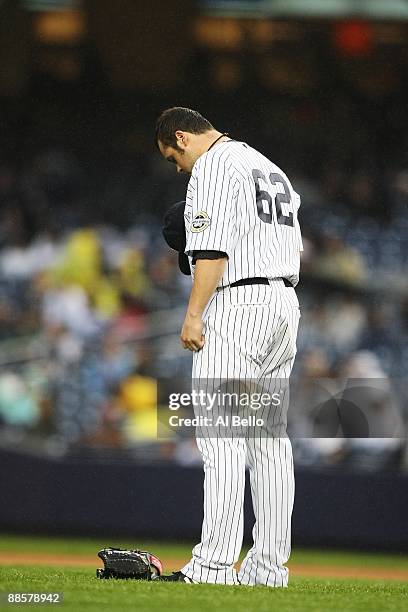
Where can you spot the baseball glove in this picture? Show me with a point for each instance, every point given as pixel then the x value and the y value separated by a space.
pixel 136 564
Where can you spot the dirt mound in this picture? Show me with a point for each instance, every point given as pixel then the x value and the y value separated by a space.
pixel 296 569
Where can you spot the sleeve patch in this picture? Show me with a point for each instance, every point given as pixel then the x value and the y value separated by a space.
pixel 200 222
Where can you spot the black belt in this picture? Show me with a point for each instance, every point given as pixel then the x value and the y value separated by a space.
pixel 256 281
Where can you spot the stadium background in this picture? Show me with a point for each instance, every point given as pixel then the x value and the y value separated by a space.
pixel 91 299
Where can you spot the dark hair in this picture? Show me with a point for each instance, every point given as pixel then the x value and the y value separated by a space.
pixel 179 118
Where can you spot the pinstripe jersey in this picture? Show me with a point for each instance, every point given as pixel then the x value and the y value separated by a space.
pixel 241 203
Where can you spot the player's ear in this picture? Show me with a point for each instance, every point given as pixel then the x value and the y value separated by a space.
pixel 182 139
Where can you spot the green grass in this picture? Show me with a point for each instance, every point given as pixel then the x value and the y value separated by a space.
pixel 84 592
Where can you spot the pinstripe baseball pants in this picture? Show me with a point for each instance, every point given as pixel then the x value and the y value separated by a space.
pixel 250 334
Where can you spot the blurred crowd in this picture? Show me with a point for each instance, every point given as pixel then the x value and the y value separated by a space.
pixel 91 302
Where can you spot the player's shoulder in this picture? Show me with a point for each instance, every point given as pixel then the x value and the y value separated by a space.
pixel 216 156
pixel 268 165
pixel 223 158
pixel 243 159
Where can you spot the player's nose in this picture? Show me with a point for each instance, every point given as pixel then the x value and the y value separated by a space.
pixel 179 169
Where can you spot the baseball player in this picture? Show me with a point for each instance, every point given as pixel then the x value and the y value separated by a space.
pixel 243 245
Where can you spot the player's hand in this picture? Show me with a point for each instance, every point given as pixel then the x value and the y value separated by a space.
pixel 192 336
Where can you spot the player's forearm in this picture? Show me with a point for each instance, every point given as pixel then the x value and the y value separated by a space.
pixel 207 276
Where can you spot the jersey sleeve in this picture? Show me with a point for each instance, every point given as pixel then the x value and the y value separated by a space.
pixel 212 223
pixel 207 255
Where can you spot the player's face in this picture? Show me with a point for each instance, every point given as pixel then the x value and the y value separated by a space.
pixel 176 157
pixel 184 155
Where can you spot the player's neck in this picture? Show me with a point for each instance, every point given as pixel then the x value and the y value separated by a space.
pixel 212 138
pixel 221 138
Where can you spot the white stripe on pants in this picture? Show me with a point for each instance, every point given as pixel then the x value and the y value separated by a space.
pixel 250 334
